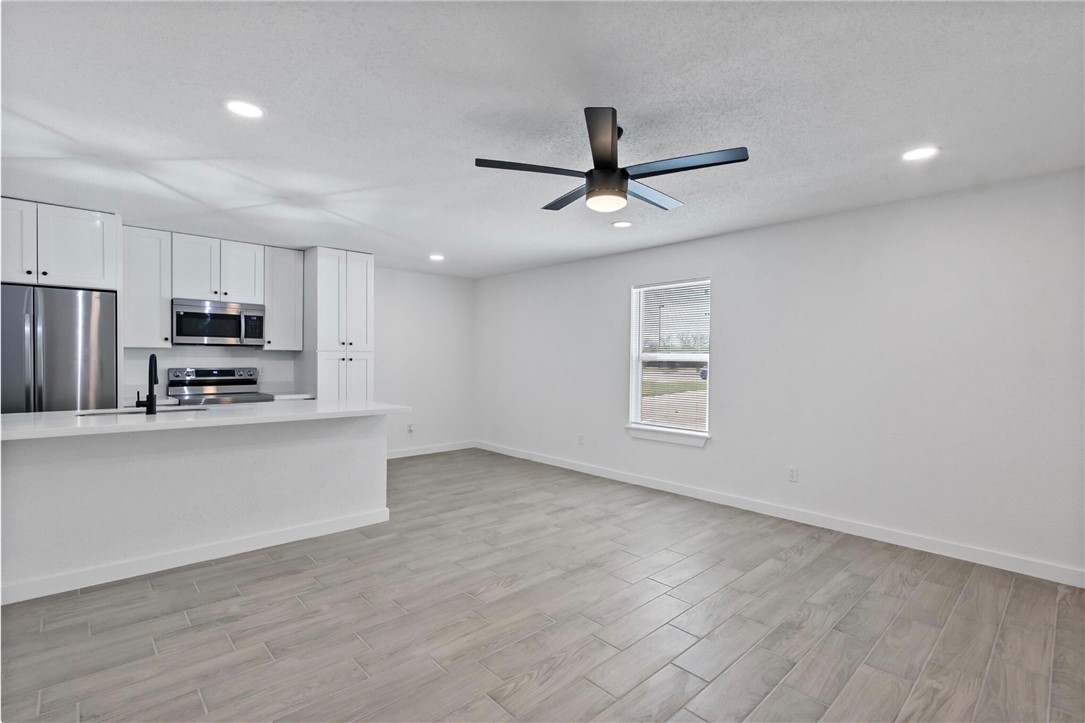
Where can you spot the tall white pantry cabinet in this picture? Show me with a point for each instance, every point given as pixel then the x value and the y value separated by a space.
pixel 338 359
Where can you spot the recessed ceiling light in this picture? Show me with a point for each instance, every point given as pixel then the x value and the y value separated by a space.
pixel 243 109
pixel 621 224
pixel 920 154
pixel 436 257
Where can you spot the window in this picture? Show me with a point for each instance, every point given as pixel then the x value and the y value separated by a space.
pixel 669 365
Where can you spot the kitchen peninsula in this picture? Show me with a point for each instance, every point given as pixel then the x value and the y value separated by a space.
pixel 89 499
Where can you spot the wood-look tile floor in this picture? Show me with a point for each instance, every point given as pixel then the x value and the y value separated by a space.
pixel 503 589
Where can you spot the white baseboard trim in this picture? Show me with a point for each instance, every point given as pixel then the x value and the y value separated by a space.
pixel 14 591
pixel 431 449
pixel 983 556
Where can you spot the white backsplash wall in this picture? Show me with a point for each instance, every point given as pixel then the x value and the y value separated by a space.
pixel 276 367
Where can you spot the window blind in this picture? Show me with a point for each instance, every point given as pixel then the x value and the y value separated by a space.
pixel 670 345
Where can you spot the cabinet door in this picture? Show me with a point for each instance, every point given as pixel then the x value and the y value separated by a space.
pixel 195 267
pixel 78 248
pixel 359 377
pixel 283 299
pixel 242 272
pixel 359 302
pixel 331 300
pixel 331 369
pixel 148 279
pixel 19 242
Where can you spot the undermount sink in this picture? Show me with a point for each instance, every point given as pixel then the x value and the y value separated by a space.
pixel 139 411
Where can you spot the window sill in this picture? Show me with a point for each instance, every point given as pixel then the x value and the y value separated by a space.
pixel 672 436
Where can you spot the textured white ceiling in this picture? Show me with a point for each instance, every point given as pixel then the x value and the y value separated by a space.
pixel 377 110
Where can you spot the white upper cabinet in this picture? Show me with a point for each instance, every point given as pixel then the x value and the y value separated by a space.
pixel 342 299
pixel 78 248
pixel 207 268
pixel 283 298
pixel 359 298
pixel 19 242
pixel 242 272
pixel 148 278
pixel 195 267
pixel 328 268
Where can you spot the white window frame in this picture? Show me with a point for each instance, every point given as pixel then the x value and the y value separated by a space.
pixel 658 432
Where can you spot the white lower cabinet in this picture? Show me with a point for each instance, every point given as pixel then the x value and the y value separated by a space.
pixel 331 375
pixel 148 290
pixel 343 376
pixel 359 375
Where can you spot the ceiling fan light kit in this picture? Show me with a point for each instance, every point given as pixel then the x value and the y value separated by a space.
pixel 606 185
pixel 606 190
pixel 605 200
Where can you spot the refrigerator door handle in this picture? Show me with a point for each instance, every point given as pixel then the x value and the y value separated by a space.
pixel 39 357
pixel 28 349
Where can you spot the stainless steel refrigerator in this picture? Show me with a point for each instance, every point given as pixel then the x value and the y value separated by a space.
pixel 58 349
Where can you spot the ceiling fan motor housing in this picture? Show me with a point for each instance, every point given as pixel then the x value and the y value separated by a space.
pixel 602 180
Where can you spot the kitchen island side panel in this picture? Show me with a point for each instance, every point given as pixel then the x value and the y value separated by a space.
pixel 79 511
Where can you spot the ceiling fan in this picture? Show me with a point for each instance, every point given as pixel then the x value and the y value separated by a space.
pixel 605 184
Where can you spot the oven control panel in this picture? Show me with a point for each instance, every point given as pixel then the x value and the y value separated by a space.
pixel 213 375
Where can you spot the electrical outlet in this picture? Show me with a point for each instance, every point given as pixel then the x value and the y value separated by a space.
pixel 580 439
pixel 410 428
pixel 793 474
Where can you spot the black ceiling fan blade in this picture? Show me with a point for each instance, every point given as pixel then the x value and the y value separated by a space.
pixel 559 203
pixel 603 134
pixel 511 166
pixel 652 196
pixel 688 163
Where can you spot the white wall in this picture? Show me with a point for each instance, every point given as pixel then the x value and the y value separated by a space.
pixel 424 336
pixel 919 362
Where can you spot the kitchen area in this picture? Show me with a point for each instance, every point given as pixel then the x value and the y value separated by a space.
pixel 171 398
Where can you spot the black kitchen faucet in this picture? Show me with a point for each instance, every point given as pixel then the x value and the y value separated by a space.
pixel 152 379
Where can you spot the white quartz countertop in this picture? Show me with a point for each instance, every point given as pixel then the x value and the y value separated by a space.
pixel 44 425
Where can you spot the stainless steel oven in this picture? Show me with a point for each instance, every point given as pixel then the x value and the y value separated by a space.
pixel 216 385
pixel 217 323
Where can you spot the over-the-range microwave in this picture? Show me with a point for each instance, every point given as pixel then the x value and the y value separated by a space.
pixel 217 323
